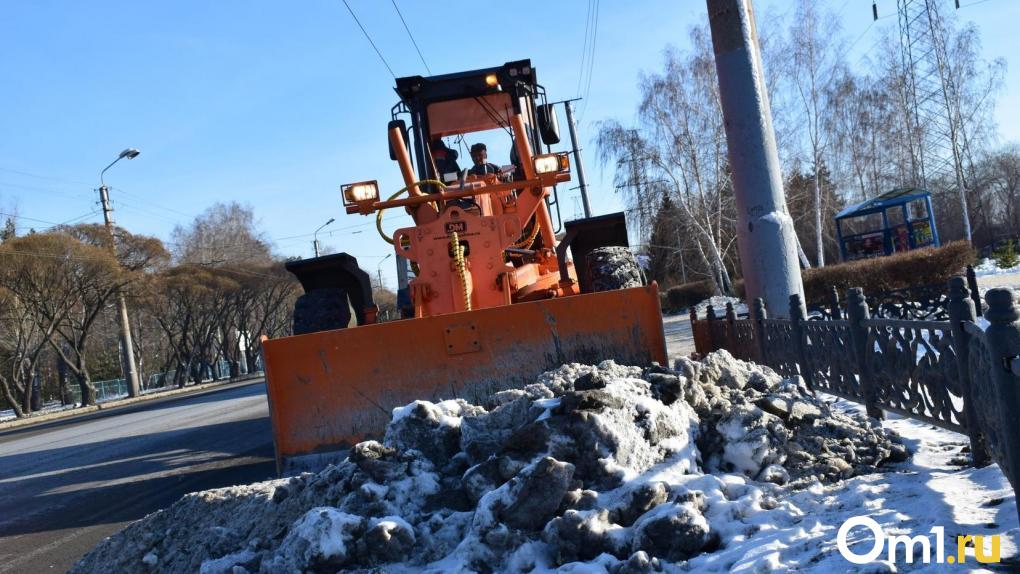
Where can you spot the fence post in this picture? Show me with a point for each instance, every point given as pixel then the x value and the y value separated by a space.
pixel 1002 338
pixel 710 317
pixel 797 319
pixel 857 313
pixel 975 294
pixel 758 316
pixel 731 330
pixel 834 313
pixel 961 309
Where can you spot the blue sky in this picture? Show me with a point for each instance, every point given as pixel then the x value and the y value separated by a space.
pixel 276 104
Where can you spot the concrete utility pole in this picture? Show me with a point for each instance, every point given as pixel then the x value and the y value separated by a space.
pixel 765 234
pixel 582 183
pixel 127 346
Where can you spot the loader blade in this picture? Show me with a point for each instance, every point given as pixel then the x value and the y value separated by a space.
pixel 330 390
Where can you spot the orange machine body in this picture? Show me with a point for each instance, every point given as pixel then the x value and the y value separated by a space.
pixel 488 217
pixel 496 301
pixel 329 390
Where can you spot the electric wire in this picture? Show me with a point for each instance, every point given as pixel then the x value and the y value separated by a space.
pixel 369 38
pixel 137 197
pixel 584 49
pixel 591 59
pixel 411 36
pixel 52 224
pixel 76 195
pixel 46 177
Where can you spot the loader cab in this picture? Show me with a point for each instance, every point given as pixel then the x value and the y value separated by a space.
pixel 478 103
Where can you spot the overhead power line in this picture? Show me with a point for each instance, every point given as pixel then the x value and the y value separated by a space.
pixel 584 49
pixel 37 176
pixel 369 38
pixel 591 59
pixel 411 36
pixel 50 223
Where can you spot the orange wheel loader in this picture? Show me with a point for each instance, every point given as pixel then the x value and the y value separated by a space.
pixel 496 300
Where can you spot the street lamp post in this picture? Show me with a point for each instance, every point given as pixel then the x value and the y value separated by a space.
pixel 378 270
pixel 128 367
pixel 315 236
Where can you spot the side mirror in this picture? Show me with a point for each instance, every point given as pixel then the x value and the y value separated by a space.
pixel 548 124
pixel 403 133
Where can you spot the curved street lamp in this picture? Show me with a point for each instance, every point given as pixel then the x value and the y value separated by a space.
pixel 126 344
pixel 315 236
pixel 130 153
pixel 378 269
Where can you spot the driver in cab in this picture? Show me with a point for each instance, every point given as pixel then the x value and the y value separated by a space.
pixel 482 167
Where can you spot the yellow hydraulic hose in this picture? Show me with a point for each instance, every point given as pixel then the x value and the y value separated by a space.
pixel 379 214
pixel 527 242
pixel 458 260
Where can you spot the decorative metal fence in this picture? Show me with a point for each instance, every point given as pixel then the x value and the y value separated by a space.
pixel 156 382
pixel 920 302
pixel 105 390
pixel 951 373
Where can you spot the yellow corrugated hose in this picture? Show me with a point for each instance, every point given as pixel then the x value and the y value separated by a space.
pixel 458 261
pixel 527 242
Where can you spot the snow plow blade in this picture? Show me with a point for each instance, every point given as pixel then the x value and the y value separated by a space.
pixel 333 389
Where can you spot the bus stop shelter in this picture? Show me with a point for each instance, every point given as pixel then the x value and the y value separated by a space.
pixel 896 221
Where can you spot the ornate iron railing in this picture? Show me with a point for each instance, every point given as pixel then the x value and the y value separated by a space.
pixel 950 373
pixel 917 303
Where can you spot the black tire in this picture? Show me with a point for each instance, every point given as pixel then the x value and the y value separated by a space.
pixel 611 268
pixel 321 310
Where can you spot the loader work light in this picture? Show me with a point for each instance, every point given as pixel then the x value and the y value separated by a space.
pixel 552 162
pixel 360 192
pixel 491 80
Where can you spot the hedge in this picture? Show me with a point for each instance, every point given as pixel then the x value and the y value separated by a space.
pixel 930 266
pixel 680 297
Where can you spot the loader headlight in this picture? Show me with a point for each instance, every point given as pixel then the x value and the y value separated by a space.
pixel 359 192
pixel 552 162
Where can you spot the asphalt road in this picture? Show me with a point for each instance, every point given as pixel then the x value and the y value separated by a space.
pixel 679 337
pixel 66 485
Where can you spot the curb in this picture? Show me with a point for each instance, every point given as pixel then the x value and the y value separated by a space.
pixel 34 419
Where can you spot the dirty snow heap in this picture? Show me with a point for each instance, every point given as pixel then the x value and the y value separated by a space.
pixel 628 469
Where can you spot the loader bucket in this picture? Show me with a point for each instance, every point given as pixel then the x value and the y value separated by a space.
pixel 333 389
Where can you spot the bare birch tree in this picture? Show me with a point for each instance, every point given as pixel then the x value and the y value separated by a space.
pixel 678 147
pixel 815 57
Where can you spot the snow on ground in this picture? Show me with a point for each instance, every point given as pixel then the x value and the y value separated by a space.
pixel 54 407
pixel 716 466
pixel 718 302
pixel 990 267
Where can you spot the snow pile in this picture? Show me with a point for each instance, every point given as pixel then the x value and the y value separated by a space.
pixel 718 302
pixel 990 267
pixel 627 470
